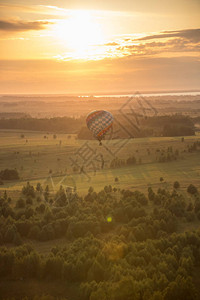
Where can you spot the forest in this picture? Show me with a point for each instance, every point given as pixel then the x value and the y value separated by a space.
pixel 120 244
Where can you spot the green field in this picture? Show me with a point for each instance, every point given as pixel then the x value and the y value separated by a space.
pixel 47 160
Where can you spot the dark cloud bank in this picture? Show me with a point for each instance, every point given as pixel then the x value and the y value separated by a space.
pixel 18 26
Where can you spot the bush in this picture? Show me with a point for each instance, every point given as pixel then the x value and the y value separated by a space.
pixel 39 199
pixel 176 185
pixel 41 208
pixel 197 206
pixel 192 189
pixel 34 232
pixel 29 201
pixel 190 216
pixel 17 239
pixel 20 203
pixel 9 174
pixel 29 212
pixel 198 215
pixel 10 234
pixel 131 160
pixel 28 190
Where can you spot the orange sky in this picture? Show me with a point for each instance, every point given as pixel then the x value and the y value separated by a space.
pixel 105 46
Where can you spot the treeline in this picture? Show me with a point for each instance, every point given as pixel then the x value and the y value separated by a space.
pixel 159 121
pixel 121 162
pixel 162 155
pixel 169 155
pixel 173 154
pixel 9 174
pixel 59 124
pixel 125 126
pixel 175 125
pixel 13 115
pixel 129 125
pixel 178 130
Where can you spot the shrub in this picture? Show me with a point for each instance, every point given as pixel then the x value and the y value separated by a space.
pixel 34 232
pixel 176 185
pixel 29 212
pixel 190 216
pixel 192 189
pixel 42 208
pixel 29 201
pixel 131 160
pixel 198 215
pixel 197 206
pixel 17 239
pixel 28 190
pixel 10 234
pixel 9 174
pixel 20 203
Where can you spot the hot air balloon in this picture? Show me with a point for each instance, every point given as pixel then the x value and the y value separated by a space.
pixel 99 122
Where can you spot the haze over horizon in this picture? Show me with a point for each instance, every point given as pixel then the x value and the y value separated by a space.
pixel 102 47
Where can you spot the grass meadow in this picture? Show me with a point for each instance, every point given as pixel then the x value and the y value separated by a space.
pixel 40 157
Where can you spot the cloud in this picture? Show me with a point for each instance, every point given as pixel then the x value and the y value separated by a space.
pixel 156 48
pixel 190 34
pixel 38 9
pixel 21 8
pixel 18 26
pixel 111 44
pixel 57 11
pixel 177 41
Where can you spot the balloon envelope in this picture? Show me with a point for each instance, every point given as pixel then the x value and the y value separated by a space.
pixel 99 122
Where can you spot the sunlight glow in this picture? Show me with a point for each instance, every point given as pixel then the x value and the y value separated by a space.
pixel 79 32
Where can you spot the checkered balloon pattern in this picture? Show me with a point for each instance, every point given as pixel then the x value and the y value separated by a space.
pixel 99 122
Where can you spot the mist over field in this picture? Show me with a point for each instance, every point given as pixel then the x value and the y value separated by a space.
pixel 40 106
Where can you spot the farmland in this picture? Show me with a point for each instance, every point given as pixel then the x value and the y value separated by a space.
pixel 37 159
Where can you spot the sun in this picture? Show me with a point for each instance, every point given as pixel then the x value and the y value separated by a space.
pixel 84 30
pixel 80 32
